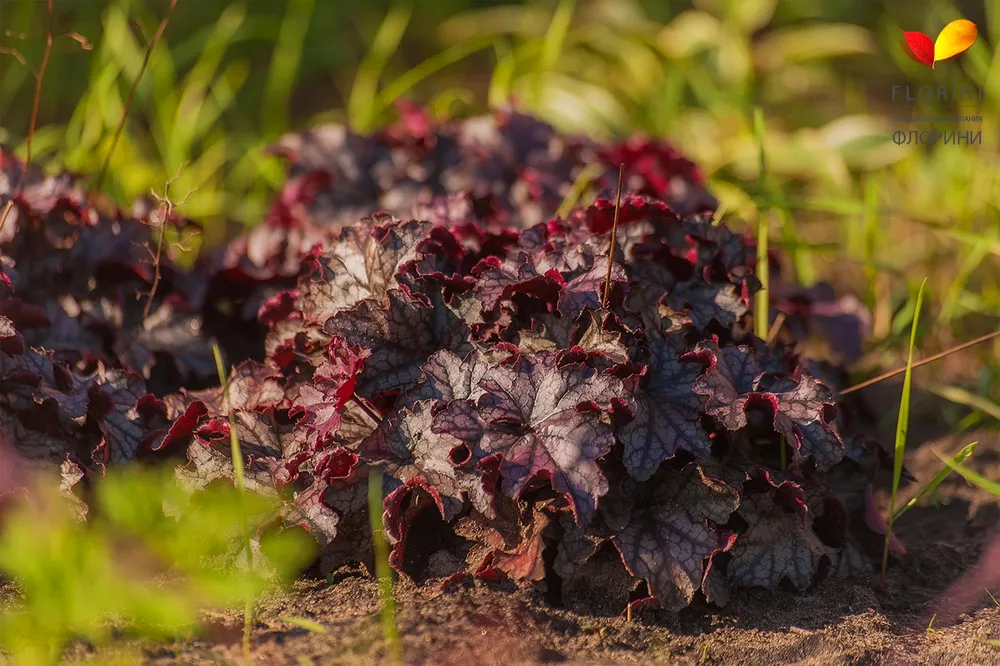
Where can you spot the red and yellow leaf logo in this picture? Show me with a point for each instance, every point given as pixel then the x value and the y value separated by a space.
pixel 957 37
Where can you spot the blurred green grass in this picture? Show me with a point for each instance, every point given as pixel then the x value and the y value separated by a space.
pixel 857 209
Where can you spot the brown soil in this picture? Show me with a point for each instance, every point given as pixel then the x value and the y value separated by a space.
pixel 856 622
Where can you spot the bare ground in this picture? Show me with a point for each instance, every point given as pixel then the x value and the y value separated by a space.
pixel 856 622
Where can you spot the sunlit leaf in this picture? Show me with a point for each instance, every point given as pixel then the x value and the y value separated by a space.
pixel 919 47
pixel 957 37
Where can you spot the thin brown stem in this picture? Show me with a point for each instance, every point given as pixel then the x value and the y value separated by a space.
pixel 79 39
pixel 614 238
pixel 18 56
pixel 929 359
pixel 156 270
pixel 165 210
pixel 779 321
pixel 75 36
pixel 885 558
pixel 128 103
pixel 137 31
pixel 39 79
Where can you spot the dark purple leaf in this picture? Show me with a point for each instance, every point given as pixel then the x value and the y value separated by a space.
pixel 734 378
pixel 600 215
pixel 417 446
pixel 576 547
pixel 518 275
pixel 361 265
pixel 708 302
pixel 251 386
pixel 586 291
pixel 210 453
pixel 400 338
pixel 36 445
pixel 673 533
pixel 112 402
pixel 531 409
pixel 799 415
pixel 447 376
pixel 179 429
pixel 177 336
pixel 334 509
pixel 779 542
pixel 667 413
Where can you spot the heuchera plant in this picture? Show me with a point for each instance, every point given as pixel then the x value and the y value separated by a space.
pixel 413 306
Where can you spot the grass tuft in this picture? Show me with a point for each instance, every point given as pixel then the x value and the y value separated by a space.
pixel 361 103
pixel 552 44
pixel 902 425
pixel 761 314
pixel 238 479
pixel 96 188
pixel 992 487
pixel 33 123
pixel 958 458
pixel 382 569
pixel 576 190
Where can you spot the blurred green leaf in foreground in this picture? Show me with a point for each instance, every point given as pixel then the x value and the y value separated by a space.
pixel 147 560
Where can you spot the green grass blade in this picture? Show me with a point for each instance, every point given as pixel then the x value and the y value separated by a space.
pixel 504 72
pixel 237 456
pixel 188 124
pixel 976 257
pixel 405 82
pixel 382 570
pixel 761 315
pixel 361 102
pixel 992 487
pixel 305 623
pixel 958 459
pixel 960 396
pixel 441 105
pixel 902 425
pixel 552 44
pixel 583 180
pixel 869 239
pixel 720 213
pixel 284 69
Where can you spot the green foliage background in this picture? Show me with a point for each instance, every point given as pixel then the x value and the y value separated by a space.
pixel 147 561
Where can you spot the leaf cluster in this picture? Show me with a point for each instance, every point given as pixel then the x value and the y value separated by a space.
pixel 459 343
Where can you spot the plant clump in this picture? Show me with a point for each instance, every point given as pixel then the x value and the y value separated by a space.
pixel 544 407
